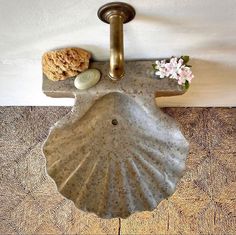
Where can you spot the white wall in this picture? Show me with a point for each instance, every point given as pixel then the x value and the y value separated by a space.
pixel 203 29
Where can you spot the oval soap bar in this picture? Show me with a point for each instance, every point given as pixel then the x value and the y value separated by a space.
pixel 87 79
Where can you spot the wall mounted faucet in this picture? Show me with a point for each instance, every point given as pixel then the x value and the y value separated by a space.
pixel 116 14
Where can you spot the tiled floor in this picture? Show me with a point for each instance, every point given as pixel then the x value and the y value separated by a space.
pixel 204 203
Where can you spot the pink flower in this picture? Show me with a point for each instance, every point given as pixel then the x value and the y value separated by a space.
pixel 161 72
pixel 185 74
pixel 174 69
pixel 160 66
pixel 181 81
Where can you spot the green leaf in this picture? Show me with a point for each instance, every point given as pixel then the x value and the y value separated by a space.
pixel 185 58
pixel 186 85
pixel 154 66
pixel 188 65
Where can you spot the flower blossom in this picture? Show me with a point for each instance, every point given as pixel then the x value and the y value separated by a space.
pixel 184 74
pixel 175 69
pixel 160 67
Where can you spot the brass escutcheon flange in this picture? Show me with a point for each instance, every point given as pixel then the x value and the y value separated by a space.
pixel 120 8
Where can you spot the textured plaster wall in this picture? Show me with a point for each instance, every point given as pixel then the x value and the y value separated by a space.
pixel 204 29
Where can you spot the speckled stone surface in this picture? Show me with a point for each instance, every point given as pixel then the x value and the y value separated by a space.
pixel 204 202
pixel 116 153
pixel 137 80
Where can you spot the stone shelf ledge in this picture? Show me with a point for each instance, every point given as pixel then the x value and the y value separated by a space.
pixel 137 81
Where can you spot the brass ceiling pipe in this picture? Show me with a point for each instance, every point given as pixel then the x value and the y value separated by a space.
pixel 116 14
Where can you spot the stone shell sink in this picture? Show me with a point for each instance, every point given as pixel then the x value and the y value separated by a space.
pixel 116 153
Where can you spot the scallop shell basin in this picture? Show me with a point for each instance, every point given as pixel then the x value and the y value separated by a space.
pixel 117 155
pixel 116 152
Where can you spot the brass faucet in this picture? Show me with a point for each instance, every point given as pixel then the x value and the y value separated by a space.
pixel 116 14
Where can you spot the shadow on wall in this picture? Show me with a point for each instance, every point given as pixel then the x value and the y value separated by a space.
pixel 158 20
pixel 214 85
pixel 197 39
pixel 187 37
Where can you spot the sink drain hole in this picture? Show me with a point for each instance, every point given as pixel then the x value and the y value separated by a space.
pixel 114 122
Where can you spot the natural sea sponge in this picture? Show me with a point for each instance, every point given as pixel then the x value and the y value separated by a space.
pixel 65 63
